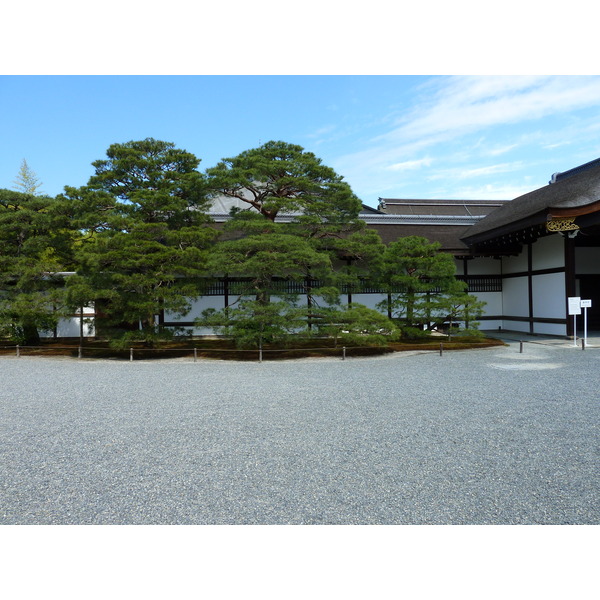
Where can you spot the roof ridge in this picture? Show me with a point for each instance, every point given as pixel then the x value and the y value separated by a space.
pixel 564 174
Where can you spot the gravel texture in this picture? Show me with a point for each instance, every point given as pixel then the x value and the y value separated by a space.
pixel 473 437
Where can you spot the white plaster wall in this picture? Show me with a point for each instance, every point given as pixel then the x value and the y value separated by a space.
pixel 484 266
pixel 515 325
pixel 459 265
pixel 70 328
pixel 550 329
pixel 493 302
pixel 587 261
pixel 197 306
pixel 490 325
pixel 370 300
pixel 549 296
pixel 515 264
pixel 515 297
pixel 322 303
pixel 548 252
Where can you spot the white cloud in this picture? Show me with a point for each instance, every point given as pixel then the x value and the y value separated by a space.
pixel 327 129
pixel 557 145
pixel 488 191
pixel 500 150
pixel 448 109
pixel 459 105
pixel 466 173
pixel 410 165
pixel 466 104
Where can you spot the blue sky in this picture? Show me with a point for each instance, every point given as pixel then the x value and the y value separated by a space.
pixel 404 136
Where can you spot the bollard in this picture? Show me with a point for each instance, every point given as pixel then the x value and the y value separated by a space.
pixel 18 351
pixel 521 347
pixel 260 355
pixel 344 353
pixel 583 344
pixel 441 349
pixel 195 355
pixel 80 352
pixel 130 354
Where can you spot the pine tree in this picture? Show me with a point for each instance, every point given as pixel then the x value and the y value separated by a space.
pixel 35 245
pixel 27 181
pixel 296 221
pixel 146 237
pixel 422 287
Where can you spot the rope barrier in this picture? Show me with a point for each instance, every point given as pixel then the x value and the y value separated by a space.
pixel 182 351
pixel 195 350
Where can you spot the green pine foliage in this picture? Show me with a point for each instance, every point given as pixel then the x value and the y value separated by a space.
pixel 280 178
pixel 253 323
pixel 35 246
pixel 296 220
pixel 423 292
pixel 355 324
pixel 146 239
pixel 140 244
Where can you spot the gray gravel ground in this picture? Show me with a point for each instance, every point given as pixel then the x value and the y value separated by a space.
pixel 474 437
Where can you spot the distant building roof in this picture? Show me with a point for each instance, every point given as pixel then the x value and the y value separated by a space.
pixel 443 221
pixel 438 207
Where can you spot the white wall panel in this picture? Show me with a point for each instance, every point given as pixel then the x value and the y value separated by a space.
pixel 548 252
pixel 549 296
pixel 490 326
pixel 550 329
pixel 198 305
pixel 70 328
pixel 515 297
pixel 370 300
pixel 459 264
pixel 493 302
pixel 515 264
pixel 509 325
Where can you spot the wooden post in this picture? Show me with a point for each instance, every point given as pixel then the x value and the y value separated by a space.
pixel 80 325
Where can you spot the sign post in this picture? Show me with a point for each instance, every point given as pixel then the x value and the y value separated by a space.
pixel 585 304
pixel 574 309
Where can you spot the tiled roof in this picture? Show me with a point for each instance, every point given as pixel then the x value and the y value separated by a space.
pixel 576 191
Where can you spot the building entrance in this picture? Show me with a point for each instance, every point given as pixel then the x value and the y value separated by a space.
pixel 589 289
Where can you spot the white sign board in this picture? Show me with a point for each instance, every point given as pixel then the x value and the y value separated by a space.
pixel 586 304
pixel 575 305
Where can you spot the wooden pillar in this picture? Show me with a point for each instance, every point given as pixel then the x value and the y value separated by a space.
pixel 226 291
pixel 308 287
pixel 349 263
pixel 530 285
pixel 570 287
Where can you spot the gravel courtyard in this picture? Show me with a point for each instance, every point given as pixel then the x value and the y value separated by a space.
pixel 473 437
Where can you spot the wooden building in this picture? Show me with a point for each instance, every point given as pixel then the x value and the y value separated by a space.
pixel 523 257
